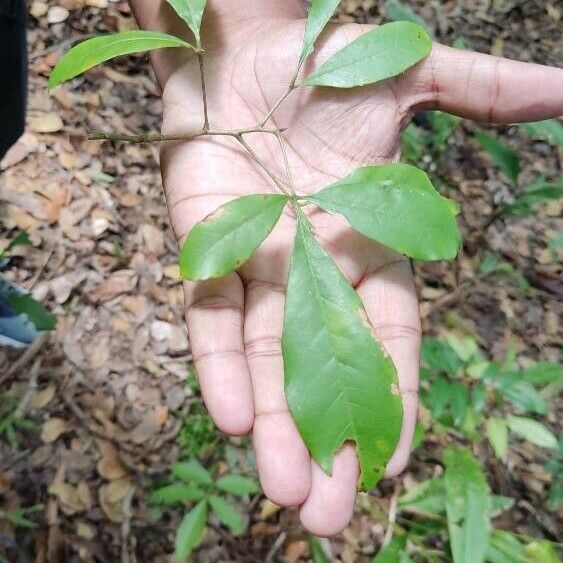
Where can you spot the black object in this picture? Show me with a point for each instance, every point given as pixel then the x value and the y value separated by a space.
pixel 13 72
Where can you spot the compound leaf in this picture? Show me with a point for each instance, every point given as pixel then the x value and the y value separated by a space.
pixel 92 52
pixel 320 13
pixel 192 472
pixel 384 52
pixel 504 157
pixel 227 514
pixel 468 506
pixel 190 531
pixel 237 485
pixel 191 11
pixel 396 205
pixel 226 239
pixel 339 382
pixel 532 431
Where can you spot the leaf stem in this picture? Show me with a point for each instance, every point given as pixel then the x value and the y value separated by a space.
pixel 292 86
pixel 281 142
pixel 203 90
pixel 262 165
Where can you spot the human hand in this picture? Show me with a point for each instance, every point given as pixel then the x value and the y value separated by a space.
pixel 235 323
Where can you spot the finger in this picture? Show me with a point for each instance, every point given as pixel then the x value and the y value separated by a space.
pixel 282 458
pixel 214 312
pixel 390 301
pixel 487 88
pixel 330 505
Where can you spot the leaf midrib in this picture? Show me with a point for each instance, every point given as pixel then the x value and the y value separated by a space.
pixel 91 53
pixel 327 324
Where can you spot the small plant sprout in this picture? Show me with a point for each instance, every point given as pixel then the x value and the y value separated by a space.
pixel 194 485
pixel 340 384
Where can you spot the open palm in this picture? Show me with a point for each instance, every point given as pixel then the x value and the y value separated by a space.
pixel 235 323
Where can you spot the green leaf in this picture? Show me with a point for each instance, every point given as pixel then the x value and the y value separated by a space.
pixel 443 125
pixel 439 356
pixel 532 196
pixel 549 130
pixel 497 433
pixel 392 552
pixel 319 15
pixel 504 157
pixel 191 11
pixel 227 514
pixel 524 397
pixel 532 431
pixel 342 386
pixel 237 485
pixel 384 52
pixel 459 397
pixel 427 497
pixel 192 471
pixel 176 493
pixel 543 373
pixel 226 239
pixel 21 239
pixel 317 552
pixel 396 205
pixel 23 303
pixel 190 531
pixel 468 504
pixel 499 504
pixel 542 551
pixel 505 547
pixel 105 47
pixel 397 11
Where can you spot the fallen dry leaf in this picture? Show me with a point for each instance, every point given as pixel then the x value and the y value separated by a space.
pixel 53 429
pixel 46 123
pixel 120 282
pixel 151 425
pixel 111 498
pixel 72 499
pixel 44 397
pixel 109 465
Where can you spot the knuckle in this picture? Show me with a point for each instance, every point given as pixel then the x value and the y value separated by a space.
pixel 263 347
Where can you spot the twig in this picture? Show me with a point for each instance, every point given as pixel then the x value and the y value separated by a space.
pixel 392 516
pixel 30 390
pixel 292 86
pixel 126 528
pixel 277 105
pixel 281 142
pixel 203 91
pixel 276 547
pixel 262 165
pixel 158 138
pixel 27 356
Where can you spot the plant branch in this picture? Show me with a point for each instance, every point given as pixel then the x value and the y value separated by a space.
pixel 281 142
pixel 158 138
pixel 203 91
pixel 277 105
pixel 262 165
pixel 292 86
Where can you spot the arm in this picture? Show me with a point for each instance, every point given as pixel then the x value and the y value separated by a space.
pixel 235 322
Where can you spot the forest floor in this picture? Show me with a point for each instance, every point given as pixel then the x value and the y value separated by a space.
pixel 110 392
